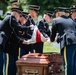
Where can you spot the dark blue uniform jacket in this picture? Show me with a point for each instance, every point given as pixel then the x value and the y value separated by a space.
pixel 7 26
pixel 65 26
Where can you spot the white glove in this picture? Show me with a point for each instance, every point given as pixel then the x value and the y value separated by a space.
pixel 32 27
pixel 30 41
pixel 25 42
pixel 48 41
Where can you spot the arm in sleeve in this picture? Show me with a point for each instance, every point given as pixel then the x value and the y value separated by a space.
pixel 16 25
pixel 54 31
pixel 40 26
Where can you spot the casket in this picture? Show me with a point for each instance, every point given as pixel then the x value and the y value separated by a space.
pixel 39 64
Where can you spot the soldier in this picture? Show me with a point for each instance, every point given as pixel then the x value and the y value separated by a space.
pixel 11 22
pixel 9 59
pixel 67 11
pixel 73 12
pixel 65 26
pixel 23 19
pixel 64 9
pixel 58 12
pixel 33 12
pixel 1 56
pixel 43 26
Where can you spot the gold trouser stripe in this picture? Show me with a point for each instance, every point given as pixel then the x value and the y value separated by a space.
pixel 7 63
pixel 3 68
pixel 19 54
pixel 34 51
pixel 65 59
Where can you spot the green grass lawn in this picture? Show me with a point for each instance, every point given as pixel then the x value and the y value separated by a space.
pixel 50 48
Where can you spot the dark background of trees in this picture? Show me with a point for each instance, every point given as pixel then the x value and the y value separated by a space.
pixel 5 5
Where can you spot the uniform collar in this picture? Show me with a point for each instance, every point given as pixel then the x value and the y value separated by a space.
pixel 74 19
pixel 44 20
pixel 63 16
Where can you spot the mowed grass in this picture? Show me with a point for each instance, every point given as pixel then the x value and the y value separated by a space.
pixel 50 48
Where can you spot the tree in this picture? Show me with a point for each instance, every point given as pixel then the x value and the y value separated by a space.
pixel 44 4
pixel 50 4
pixel 3 5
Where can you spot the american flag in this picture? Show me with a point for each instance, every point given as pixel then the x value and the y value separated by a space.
pixel 36 37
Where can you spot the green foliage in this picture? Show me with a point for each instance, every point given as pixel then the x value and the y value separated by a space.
pixel 24 5
pixel 3 5
pixel 50 4
pixel 2 17
pixel 44 4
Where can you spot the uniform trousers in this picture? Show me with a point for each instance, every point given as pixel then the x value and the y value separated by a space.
pixel 25 49
pixel 4 63
pixel 69 55
pixel 11 68
pixel 1 62
pixel 38 47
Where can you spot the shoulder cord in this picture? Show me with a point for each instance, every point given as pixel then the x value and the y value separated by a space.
pixel 43 22
pixel 11 26
pixel 13 31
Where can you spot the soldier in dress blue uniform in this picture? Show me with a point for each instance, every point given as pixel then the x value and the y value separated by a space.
pixel 43 26
pixel 23 19
pixel 58 11
pixel 67 11
pixel 10 59
pixel 1 56
pixel 33 12
pixel 73 12
pixel 1 61
pixel 10 23
pixel 65 26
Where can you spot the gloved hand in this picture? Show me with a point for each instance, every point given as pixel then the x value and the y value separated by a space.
pixel 57 39
pixel 48 40
pixel 32 27
pixel 25 42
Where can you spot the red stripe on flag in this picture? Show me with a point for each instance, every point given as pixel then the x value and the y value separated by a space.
pixel 38 36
